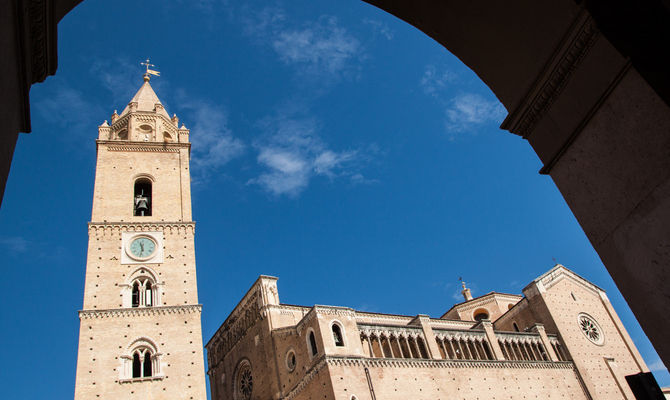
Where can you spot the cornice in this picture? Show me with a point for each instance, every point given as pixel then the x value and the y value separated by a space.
pixel 307 378
pixel 429 363
pixel 143 147
pixel 139 312
pixel 577 43
pixel 140 226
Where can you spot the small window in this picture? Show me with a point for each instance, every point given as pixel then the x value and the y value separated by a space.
pixel 146 370
pixel 337 335
pixel 137 365
pixel 516 327
pixel 290 360
pixel 142 198
pixel 136 294
pixel 312 344
pixel 481 315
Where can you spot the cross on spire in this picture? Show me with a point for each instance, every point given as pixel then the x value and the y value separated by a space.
pixel 149 71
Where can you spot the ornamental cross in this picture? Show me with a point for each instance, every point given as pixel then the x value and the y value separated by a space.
pixel 150 71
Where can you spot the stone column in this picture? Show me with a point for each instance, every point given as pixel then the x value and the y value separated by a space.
pixel 539 328
pixel 429 336
pixel 493 341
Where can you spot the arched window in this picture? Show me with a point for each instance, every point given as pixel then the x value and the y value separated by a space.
pixel 143 293
pixel 136 294
pixel 146 367
pixel 312 344
pixel 142 198
pixel 137 365
pixel 337 335
pixel 142 360
pixel 142 363
pixel 148 294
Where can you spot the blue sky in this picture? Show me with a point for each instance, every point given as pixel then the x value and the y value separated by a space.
pixel 334 146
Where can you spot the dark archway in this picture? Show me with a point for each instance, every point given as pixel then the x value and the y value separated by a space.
pixel 586 83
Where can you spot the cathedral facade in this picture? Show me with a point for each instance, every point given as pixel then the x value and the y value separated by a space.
pixel 140 334
pixel 560 340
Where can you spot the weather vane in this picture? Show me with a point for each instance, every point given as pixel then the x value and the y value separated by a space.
pixel 149 71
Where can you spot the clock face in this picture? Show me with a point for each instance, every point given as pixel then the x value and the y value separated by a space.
pixel 142 248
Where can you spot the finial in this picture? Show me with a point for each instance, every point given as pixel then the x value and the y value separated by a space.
pixel 465 292
pixel 149 72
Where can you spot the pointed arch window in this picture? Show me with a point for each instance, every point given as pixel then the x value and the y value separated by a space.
pixel 142 198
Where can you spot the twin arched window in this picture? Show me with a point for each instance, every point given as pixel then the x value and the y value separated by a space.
pixel 142 363
pixel 143 292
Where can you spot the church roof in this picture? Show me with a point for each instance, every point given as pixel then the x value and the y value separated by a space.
pixel 480 298
pixel 146 100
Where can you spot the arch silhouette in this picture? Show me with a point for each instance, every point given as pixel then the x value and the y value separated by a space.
pixel 585 82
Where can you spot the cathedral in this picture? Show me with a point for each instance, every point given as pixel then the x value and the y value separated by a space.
pixel 140 329
pixel 560 340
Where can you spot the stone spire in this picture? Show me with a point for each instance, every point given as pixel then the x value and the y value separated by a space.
pixel 145 119
pixel 145 100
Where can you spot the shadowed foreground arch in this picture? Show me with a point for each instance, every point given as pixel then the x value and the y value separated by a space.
pixel 586 83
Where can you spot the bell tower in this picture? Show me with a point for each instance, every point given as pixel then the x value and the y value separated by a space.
pixel 140 334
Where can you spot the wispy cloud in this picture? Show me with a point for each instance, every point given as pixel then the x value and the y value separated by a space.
pixel 470 110
pixel 214 144
pixel 121 77
pixel 318 49
pixel 293 153
pixel 379 28
pixel 434 80
pixel 15 244
pixel 67 106
pixel 463 110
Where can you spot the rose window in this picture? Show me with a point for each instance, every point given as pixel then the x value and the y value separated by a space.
pixel 245 382
pixel 591 329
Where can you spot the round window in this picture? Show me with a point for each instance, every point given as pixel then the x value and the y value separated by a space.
pixel 244 381
pixel 290 360
pixel 591 329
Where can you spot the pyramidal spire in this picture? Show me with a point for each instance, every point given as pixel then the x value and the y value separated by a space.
pixel 146 99
pixel 144 119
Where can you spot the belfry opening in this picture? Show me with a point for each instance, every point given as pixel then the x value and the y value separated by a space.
pixel 142 198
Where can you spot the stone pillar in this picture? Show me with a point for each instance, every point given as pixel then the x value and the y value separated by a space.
pixel 493 341
pixel 431 343
pixel 539 328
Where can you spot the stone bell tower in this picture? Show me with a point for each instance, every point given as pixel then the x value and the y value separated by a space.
pixel 140 334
